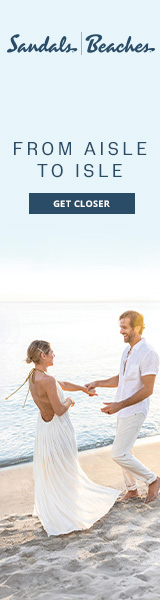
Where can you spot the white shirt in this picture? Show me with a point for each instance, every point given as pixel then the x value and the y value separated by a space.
pixel 142 360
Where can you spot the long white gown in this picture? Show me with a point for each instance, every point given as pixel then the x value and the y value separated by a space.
pixel 65 499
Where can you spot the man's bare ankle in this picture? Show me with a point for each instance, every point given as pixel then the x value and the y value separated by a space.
pixel 153 490
pixel 151 485
pixel 131 494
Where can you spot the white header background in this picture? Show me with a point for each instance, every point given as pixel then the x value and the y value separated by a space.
pixel 68 97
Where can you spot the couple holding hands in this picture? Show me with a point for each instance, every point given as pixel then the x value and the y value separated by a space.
pixel 65 499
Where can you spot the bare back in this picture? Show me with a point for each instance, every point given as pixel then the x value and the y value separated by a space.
pixel 37 388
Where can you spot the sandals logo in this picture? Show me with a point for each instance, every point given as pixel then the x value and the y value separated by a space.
pixel 92 43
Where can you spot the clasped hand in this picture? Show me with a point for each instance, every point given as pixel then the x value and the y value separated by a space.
pixel 91 392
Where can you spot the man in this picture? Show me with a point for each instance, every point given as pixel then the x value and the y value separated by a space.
pixel 135 382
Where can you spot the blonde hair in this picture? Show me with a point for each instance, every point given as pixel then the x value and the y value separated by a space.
pixel 35 349
pixel 33 355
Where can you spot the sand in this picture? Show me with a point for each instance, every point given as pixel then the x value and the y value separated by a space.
pixel 118 558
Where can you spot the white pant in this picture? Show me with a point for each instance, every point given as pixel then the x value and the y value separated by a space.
pixel 127 433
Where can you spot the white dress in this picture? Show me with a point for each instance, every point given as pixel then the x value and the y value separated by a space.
pixel 65 499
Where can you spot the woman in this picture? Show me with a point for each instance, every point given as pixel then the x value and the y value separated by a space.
pixel 65 499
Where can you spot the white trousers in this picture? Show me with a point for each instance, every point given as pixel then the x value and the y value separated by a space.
pixel 127 433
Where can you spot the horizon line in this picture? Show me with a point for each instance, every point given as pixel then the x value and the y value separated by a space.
pixel 77 301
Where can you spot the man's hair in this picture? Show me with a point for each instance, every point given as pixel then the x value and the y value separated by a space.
pixel 135 319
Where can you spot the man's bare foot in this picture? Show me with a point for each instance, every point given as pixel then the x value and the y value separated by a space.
pixel 131 494
pixel 153 490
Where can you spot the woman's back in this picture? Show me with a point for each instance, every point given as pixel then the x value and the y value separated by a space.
pixel 37 385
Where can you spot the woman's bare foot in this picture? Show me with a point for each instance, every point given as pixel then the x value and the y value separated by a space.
pixel 131 494
pixel 153 490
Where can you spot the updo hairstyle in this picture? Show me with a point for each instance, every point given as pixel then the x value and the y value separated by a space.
pixel 35 349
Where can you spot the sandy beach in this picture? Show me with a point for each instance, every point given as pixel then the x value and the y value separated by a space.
pixel 118 558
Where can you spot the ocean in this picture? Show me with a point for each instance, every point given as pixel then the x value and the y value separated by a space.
pixel 87 345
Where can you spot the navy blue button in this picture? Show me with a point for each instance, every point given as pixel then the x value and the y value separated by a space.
pixel 114 204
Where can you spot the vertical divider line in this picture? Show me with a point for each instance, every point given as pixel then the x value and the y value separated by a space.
pixel 81 44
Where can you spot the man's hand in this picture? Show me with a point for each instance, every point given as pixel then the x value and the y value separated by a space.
pixel 90 392
pixel 110 408
pixel 91 387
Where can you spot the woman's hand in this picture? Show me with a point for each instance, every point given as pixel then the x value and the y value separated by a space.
pixel 90 392
pixel 90 387
pixel 67 386
pixel 72 403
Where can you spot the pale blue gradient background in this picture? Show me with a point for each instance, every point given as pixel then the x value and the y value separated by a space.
pixel 99 97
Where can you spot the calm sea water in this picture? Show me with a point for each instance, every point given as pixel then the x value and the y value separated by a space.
pixel 87 344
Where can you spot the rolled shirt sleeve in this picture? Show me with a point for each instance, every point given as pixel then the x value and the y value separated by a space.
pixel 149 363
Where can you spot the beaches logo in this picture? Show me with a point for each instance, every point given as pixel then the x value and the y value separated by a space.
pixel 91 44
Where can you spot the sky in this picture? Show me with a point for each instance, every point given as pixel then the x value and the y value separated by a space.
pixel 79 98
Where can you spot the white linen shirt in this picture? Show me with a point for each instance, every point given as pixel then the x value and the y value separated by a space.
pixel 142 360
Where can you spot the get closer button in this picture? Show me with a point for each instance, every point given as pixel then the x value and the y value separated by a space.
pixel 81 203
